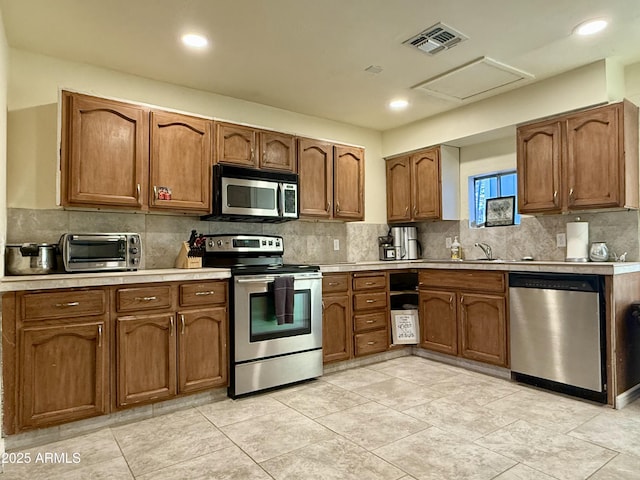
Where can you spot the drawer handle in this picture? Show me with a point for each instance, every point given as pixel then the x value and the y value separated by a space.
pixel 182 322
pixel 370 321
pixel 145 299
pixel 173 325
pixel 99 336
pixel 68 304
pixel 369 283
pixel 210 292
pixel 371 301
pixel 333 284
pixel 371 343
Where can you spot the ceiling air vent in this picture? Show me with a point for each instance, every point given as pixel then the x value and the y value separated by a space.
pixel 435 39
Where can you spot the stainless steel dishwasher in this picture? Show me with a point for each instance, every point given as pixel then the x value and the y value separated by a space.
pixel 558 333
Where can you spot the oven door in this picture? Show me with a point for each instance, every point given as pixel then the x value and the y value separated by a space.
pixel 256 331
pixel 94 252
pixel 241 196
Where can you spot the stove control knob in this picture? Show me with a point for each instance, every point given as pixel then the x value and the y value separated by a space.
pixel 133 250
pixel 220 243
pixel 211 243
pixel 135 261
pixel 133 240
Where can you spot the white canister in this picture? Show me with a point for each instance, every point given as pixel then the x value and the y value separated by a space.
pixel 577 241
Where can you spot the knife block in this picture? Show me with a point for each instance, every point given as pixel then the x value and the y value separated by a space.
pixel 183 260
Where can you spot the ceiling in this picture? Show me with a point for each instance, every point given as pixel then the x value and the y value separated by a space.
pixel 310 56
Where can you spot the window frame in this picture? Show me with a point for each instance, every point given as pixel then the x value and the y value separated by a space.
pixel 473 205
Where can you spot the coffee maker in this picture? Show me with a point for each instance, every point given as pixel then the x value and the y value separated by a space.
pixel 405 242
pixel 386 250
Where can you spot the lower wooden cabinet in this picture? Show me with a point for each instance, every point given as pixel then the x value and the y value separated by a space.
pixel 146 358
pixel 63 373
pixel 337 329
pixel 438 321
pixel 202 349
pixel 70 354
pixel 370 312
pixel 464 313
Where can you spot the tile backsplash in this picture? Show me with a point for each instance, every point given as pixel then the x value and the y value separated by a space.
pixel 313 242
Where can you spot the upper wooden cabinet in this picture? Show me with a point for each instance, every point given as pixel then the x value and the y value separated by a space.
pixel 331 179
pixel 348 183
pixel 104 152
pixel 119 155
pixel 423 185
pixel 180 162
pixel 580 161
pixel 251 147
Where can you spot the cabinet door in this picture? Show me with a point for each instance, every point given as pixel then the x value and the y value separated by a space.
pixel 337 331
pixel 146 358
pixel 180 170
pixel 399 189
pixel 63 373
pixel 425 184
pixel 315 178
pixel 539 167
pixel 483 332
pixel 104 152
pixel 594 159
pixel 277 151
pixel 348 183
pixel 438 326
pixel 236 145
pixel 202 349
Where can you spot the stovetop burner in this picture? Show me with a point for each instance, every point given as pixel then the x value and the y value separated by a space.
pixel 249 254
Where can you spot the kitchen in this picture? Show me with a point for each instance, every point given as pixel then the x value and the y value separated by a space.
pixel 34 81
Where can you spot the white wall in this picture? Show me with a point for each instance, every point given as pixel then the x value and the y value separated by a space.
pixel 4 74
pixel 575 89
pixel 34 86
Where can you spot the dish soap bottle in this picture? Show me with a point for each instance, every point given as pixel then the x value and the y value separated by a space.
pixel 456 253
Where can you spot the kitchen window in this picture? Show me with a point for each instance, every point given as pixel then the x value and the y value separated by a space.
pixel 486 186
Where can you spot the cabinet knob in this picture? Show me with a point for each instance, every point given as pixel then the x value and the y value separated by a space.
pixel 337 207
pixel 406 212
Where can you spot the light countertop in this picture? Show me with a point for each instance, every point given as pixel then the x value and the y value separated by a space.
pixel 67 280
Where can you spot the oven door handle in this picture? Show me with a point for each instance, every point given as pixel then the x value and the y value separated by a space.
pixel 271 279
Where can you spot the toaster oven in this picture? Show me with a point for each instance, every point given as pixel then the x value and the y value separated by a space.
pixel 94 252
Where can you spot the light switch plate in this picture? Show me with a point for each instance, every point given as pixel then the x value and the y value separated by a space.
pixel 561 240
pixel 336 244
pixel 447 242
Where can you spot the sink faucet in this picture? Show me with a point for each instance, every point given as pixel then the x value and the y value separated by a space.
pixel 486 248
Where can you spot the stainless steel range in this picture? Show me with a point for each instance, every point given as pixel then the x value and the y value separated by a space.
pixel 267 352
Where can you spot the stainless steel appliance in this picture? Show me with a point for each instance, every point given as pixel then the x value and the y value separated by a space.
pixel 246 194
pixel 30 259
pixel 92 252
pixel 405 241
pixel 558 332
pixel 264 353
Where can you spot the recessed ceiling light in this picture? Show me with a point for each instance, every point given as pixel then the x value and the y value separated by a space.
pixel 398 104
pixel 195 41
pixel 590 27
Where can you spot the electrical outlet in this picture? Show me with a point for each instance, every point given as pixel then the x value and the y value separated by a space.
pixel 447 242
pixel 336 244
pixel 561 240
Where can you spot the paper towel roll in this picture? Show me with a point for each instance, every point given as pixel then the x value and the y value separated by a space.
pixel 577 241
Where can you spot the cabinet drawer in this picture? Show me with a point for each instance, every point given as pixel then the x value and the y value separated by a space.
pixel 371 342
pixel 369 282
pixel 143 298
pixel 369 321
pixel 205 293
pixel 335 283
pixel 367 301
pixel 64 304
pixel 474 280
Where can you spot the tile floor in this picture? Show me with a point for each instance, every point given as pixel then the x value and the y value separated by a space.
pixel 406 418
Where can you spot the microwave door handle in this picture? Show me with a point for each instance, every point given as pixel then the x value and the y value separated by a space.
pixel 280 200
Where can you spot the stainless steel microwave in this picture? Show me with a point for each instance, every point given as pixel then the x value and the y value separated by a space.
pixel 94 252
pixel 246 194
